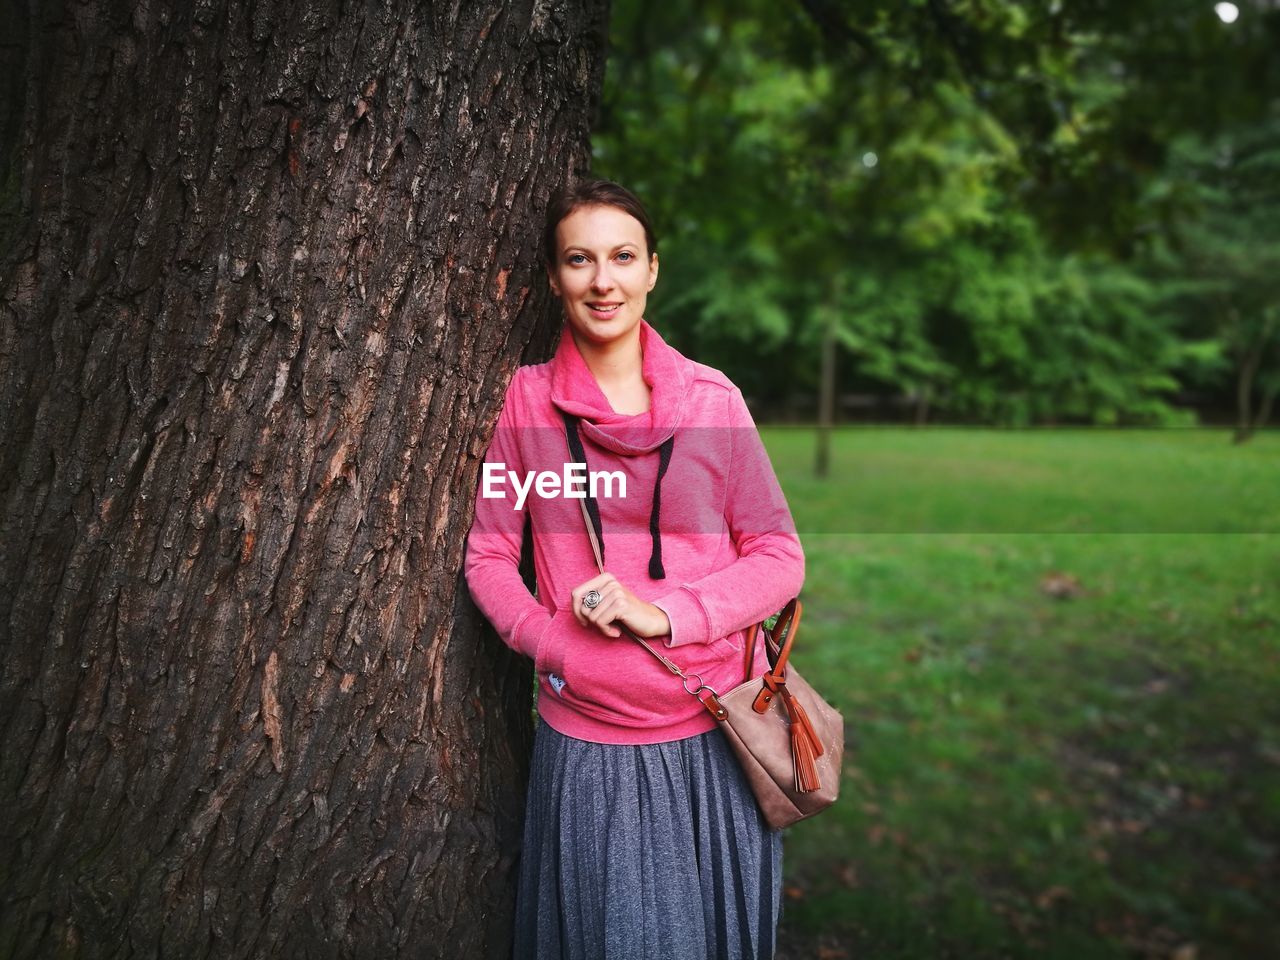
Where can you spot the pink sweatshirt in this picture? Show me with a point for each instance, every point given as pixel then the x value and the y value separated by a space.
pixel 726 540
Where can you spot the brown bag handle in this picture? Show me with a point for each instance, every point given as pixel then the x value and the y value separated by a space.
pixel 788 623
pixel 786 626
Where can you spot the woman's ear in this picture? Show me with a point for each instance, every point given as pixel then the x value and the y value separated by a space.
pixel 653 271
pixel 551 280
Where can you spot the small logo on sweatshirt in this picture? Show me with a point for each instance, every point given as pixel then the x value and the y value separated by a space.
pixel 556 682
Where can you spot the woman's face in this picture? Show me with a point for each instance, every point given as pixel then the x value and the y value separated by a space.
pixel 601 274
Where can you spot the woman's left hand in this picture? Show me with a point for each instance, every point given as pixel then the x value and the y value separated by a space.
pixel 618 603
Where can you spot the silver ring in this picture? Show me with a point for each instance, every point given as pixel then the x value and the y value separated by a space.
pixel 591 600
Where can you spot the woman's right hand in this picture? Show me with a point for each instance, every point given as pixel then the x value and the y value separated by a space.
pixel 617 603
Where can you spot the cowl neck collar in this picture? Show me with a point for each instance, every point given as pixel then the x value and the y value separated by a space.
pixel 575 391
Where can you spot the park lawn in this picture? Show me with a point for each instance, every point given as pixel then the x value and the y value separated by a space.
pixel 1079 480
pixel 1061 744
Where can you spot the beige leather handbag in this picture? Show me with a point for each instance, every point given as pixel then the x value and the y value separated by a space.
pixel 789 740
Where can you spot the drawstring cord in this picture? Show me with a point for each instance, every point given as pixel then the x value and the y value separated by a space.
pixel 656 570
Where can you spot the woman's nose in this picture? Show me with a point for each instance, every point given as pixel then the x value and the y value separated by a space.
pixel 601 280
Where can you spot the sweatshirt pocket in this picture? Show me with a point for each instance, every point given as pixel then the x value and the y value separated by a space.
pixel 549 657
pixel 729 645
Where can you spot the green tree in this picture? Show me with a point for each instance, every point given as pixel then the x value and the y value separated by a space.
pixel 1224 250
pixel 959 195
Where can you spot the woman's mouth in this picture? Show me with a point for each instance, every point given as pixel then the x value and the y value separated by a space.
pixel 603 311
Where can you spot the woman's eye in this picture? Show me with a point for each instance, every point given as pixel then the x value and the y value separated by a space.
pixel 624 256
pixel 576 258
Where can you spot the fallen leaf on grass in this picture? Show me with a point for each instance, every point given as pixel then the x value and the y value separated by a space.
pixel 1060 586
pixel 1049 897
pixel 848 875
pixel 832 953
pixel 1107 769
pixel 1155 941
pixel 1021 921
pixel 1270 754
pixel 795 893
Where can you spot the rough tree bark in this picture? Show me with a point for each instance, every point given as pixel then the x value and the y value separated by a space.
pixel 267 270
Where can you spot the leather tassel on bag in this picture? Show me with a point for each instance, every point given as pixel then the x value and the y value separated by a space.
pixel 803 718
pixel 805 746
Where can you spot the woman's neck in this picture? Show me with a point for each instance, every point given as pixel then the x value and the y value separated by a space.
pixel 618 369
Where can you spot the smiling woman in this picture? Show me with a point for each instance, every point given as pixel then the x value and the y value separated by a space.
pixel 642 837
pixel 600 280
pixel 602 267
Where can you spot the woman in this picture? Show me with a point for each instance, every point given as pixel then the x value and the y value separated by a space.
pixel 642 837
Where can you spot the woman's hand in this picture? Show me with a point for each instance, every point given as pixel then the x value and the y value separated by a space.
pixel 618 603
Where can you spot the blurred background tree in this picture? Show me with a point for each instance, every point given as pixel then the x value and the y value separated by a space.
pixel 986 212
pixel 1223 263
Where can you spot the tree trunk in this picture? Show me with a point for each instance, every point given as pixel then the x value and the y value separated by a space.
pixel 1244 398
pixel 1264 408
pixel 267 273
pixel 1247 423
pixel 1270 384
pixel 827 382
pixel 922 405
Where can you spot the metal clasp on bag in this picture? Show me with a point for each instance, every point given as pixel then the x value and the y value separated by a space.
pixel 711 702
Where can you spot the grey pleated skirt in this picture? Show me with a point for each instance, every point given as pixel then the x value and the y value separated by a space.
pixel 652 851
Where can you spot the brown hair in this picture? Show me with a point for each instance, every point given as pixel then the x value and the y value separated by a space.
pixel 588 193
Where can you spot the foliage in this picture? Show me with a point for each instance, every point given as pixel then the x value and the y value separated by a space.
pixel 1225 254
pixel 969 192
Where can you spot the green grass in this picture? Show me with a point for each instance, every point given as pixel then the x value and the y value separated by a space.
pixel 893 480
pixel 1089 774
